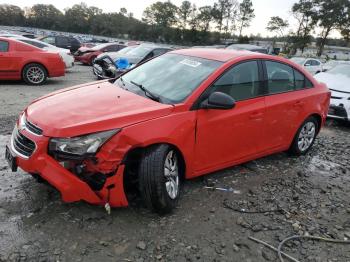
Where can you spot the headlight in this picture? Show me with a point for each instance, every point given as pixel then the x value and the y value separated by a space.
pixel 81 145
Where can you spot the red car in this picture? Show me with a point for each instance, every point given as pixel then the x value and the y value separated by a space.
pixel 178 116
pixel 87 55
pixel 19 60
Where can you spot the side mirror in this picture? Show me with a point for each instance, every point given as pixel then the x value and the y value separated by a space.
pixel 218 100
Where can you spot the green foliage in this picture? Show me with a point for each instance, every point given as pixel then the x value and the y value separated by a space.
pixel 45 16
pixel 277 25
pixel 11 15
pixel 162 14
pixel 246 15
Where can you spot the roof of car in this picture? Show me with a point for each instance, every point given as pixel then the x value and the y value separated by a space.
pixel 221 55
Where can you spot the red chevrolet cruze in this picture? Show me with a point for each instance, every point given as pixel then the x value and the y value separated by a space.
pixel 181 115
pixel 21 61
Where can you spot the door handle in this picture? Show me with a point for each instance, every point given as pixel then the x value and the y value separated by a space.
pixel 256 115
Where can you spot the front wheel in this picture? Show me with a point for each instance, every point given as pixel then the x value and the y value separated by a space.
pixel 305 137
pixel 159 178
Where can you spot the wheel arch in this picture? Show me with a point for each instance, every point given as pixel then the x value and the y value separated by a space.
pixel 135 153
pixel 318 119
pixel 131 161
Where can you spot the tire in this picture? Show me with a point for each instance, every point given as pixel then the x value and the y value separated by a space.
pixel 305 137
pixel 159 178
pixel 34 74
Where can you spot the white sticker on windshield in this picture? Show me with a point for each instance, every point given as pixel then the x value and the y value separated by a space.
pixel 190 63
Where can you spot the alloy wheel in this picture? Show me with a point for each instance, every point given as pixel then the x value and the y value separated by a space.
pixel 35 75
pixel 171 173
pixel 306 136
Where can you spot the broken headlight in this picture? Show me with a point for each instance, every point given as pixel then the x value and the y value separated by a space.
pixel 81 145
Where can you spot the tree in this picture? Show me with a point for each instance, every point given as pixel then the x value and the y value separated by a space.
pixel 11 15
pixel 221 11
pixel 246 15
pixel 204 18
pixel 79 17
pixel 304 12
pixel 184 12
pixel 123 11
pixel 161 14
pixel 278 25
pixel 330 15
pixel 346 35
pixel 45 16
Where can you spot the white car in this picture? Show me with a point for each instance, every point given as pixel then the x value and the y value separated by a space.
pixel 312 65
pixel 333 63
pixel 66 55
pixel 338 81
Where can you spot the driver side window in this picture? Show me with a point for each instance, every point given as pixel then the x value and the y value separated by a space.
pixel 241 82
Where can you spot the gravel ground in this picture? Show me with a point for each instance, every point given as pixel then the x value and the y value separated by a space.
pixel 286 196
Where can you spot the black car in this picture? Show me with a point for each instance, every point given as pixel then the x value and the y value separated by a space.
pixel 110 65
pixel 67 42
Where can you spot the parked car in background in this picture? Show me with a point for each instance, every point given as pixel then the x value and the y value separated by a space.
pixel 178 116
pixel 87 55
pixel 67 42
pixel 115 55
pixel 333 63
pixel 64 53
pixel 19 60
pixel 313 66
pixel 338 81
pixel 252 48
pixel 112 65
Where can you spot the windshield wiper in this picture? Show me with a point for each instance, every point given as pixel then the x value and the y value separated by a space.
pixel 148 93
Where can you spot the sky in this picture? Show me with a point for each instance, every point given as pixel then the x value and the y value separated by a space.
pixel 264 9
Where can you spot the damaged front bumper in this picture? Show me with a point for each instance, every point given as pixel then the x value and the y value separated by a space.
pixel 30 152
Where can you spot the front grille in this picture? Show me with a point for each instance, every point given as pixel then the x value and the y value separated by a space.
pixel 22 144
pixel 33 128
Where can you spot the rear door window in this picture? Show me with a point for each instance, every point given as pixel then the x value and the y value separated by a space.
pixel 280 77
pixel 241 82
pixel 37 44
pixel 4 46
pixel 283 78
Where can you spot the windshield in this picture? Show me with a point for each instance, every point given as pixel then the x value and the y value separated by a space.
pixel 340 70
pixel 140 51
pixel 171 77
pixel 298 60
pixel 126 49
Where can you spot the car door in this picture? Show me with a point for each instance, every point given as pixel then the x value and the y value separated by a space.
pixel 227 136
pixel 284 104
pixel 9 61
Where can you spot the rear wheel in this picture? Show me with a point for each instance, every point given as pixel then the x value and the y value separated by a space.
pixel 159 178
pixel 305 137
pixel 34 74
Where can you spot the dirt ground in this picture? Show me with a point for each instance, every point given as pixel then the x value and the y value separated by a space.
pixel 284 196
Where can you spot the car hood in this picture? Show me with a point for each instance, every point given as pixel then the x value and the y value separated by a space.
pixel 92 108
pixel 336 82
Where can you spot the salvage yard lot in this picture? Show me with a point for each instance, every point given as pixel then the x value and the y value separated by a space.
pixel 307 194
